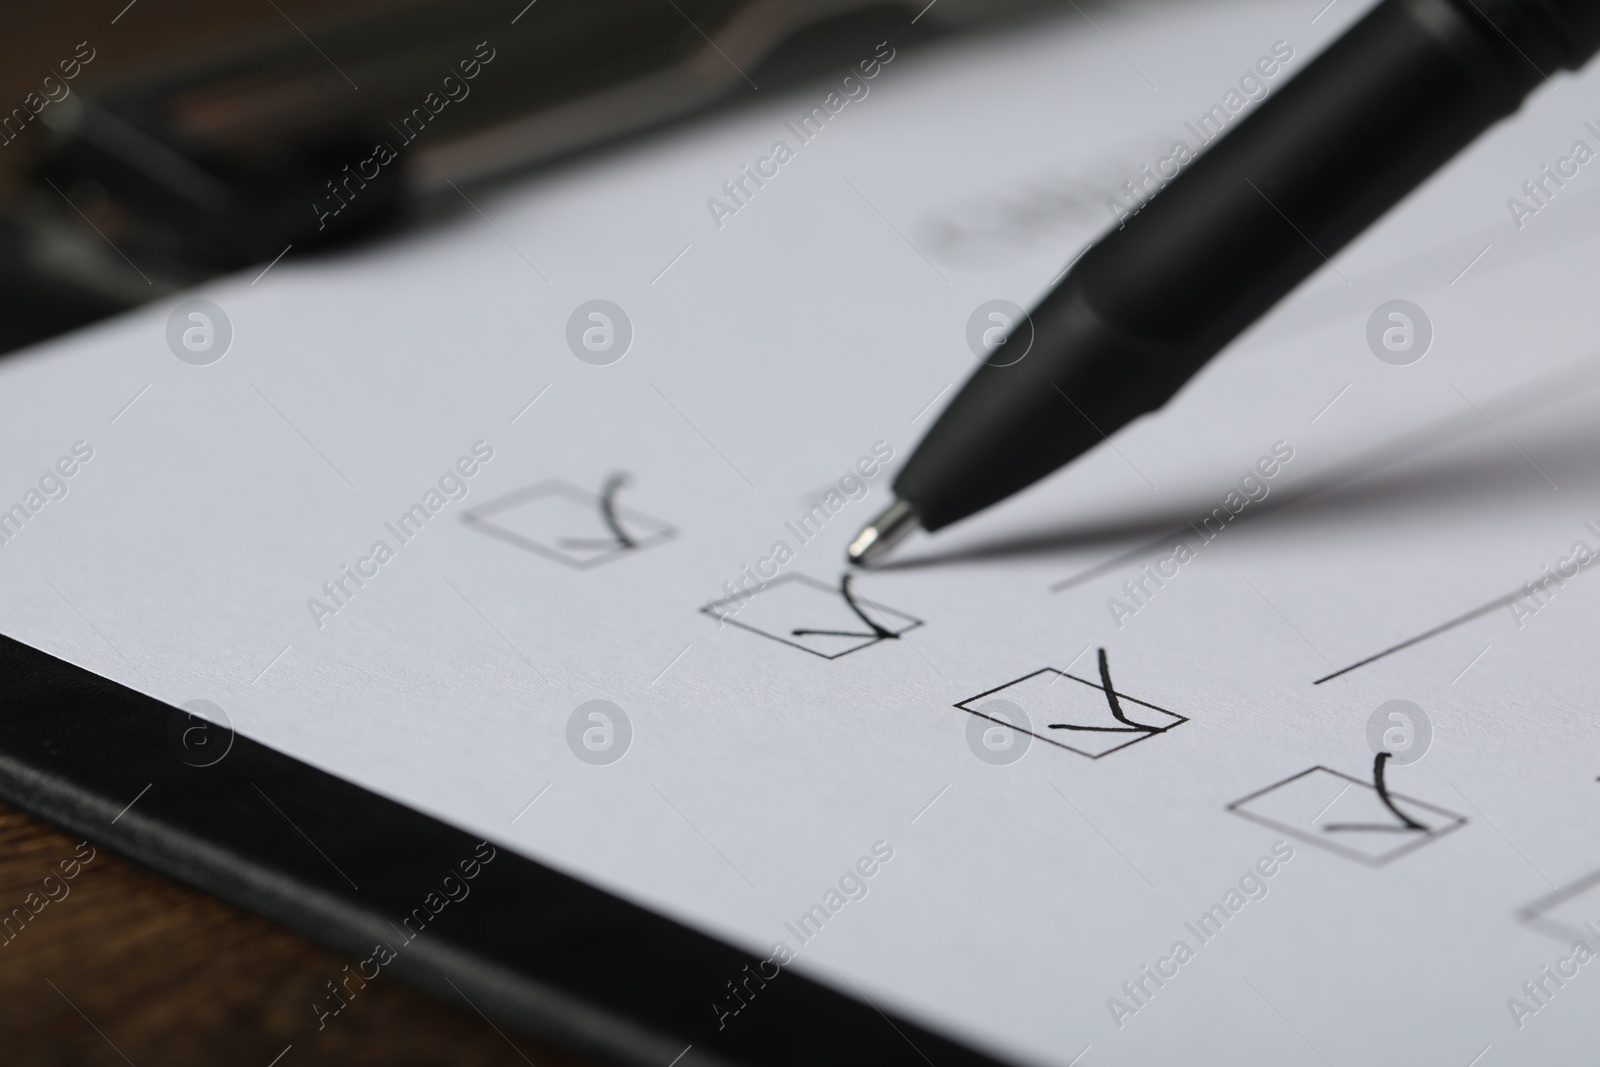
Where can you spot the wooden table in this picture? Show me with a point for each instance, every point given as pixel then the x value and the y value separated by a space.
pixel 123 966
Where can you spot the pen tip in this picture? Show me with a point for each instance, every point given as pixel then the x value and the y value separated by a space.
pixel 883 533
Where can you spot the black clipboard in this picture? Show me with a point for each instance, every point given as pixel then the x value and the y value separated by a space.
pixel 532 948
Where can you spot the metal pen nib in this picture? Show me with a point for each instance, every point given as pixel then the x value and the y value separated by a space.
pixel 884 532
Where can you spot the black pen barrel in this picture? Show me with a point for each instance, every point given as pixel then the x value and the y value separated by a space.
pixel 1261 209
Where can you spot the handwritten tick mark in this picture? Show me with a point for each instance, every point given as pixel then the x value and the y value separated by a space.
pixel 878 630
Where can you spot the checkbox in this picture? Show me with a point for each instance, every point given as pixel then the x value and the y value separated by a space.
pixel 825 620
pixel 1567 912
pixel 1074 713
pixel 572 526
pixel 1347 816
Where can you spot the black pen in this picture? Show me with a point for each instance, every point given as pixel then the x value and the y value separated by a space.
pixel 1386 105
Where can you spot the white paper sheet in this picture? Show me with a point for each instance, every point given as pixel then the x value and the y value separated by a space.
pixel 770 356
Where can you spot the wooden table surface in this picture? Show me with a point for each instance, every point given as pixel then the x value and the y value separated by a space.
pixel 129 967
pixel 119 965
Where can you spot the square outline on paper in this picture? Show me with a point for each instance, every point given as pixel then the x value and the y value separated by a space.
pixel 1349 853
pixel 1153 730
pixel 1534 914
pixel 832 590
pixel 478 519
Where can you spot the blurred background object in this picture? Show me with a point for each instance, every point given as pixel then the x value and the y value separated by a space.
pixel 148 150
